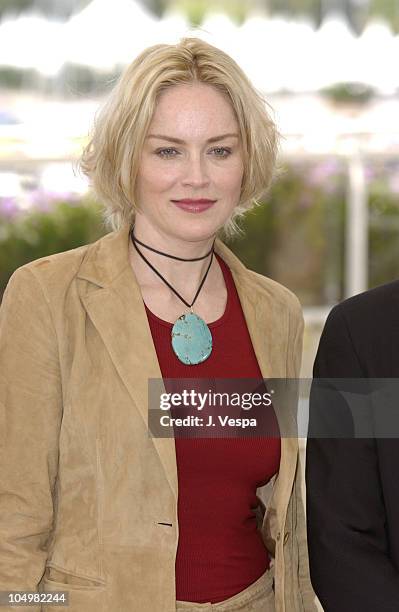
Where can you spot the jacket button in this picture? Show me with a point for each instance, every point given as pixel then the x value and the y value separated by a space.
pixel 286 536
pixel 278 536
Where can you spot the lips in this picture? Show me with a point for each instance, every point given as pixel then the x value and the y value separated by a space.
pixel 194 206
pixel 190 201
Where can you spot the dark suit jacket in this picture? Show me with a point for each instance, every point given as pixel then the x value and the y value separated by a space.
pixel 353 484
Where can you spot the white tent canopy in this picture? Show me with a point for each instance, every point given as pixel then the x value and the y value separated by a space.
pixel 106 33
pixel 32 42
pixel 277 53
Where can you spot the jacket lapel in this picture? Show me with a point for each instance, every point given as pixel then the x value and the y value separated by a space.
pixel 114 304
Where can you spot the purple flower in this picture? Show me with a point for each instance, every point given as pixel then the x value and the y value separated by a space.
pixel 369 173
pixel 321 173
pixel 39 201
pixel 73 199
pixel 9 208
pixel 393 183
pixel 46 200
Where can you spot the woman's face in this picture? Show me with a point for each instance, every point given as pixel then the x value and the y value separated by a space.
pixel 192 151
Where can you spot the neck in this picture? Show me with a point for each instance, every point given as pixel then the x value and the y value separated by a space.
pixel 185 276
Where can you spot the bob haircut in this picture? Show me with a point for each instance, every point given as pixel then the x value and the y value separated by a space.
pixel 112 156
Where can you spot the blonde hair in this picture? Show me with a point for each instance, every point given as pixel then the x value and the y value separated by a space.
pixel 111 158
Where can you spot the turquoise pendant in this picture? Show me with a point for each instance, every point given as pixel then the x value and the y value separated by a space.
pixel 191 339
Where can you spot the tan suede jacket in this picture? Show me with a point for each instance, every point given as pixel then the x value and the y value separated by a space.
pixel 88 501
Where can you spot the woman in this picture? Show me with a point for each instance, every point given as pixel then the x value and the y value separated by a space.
pixel 92 504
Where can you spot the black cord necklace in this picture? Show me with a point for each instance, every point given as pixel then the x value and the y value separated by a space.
pixel 191 337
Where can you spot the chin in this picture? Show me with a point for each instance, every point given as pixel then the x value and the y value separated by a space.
pixel 195 231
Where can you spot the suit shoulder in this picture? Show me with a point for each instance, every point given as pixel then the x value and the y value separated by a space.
pixel 379 302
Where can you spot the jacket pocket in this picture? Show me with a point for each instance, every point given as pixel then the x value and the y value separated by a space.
pixel 62 578
pixel 84 594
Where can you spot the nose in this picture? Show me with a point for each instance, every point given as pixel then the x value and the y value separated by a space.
pixel 195 172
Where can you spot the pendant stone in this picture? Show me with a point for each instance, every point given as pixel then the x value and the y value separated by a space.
pixel 191 339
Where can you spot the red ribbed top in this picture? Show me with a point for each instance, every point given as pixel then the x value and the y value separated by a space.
pixel 220 550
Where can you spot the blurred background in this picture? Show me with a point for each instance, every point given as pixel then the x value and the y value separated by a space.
pixel 329 227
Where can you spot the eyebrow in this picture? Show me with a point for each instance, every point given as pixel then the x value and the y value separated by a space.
pixel 179 141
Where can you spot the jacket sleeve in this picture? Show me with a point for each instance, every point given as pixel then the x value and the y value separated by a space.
pixel 30 416
pixel 348 547
pixel 307 594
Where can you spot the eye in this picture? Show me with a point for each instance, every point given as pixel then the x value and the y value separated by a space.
pixel 224 150
pixel 166 152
